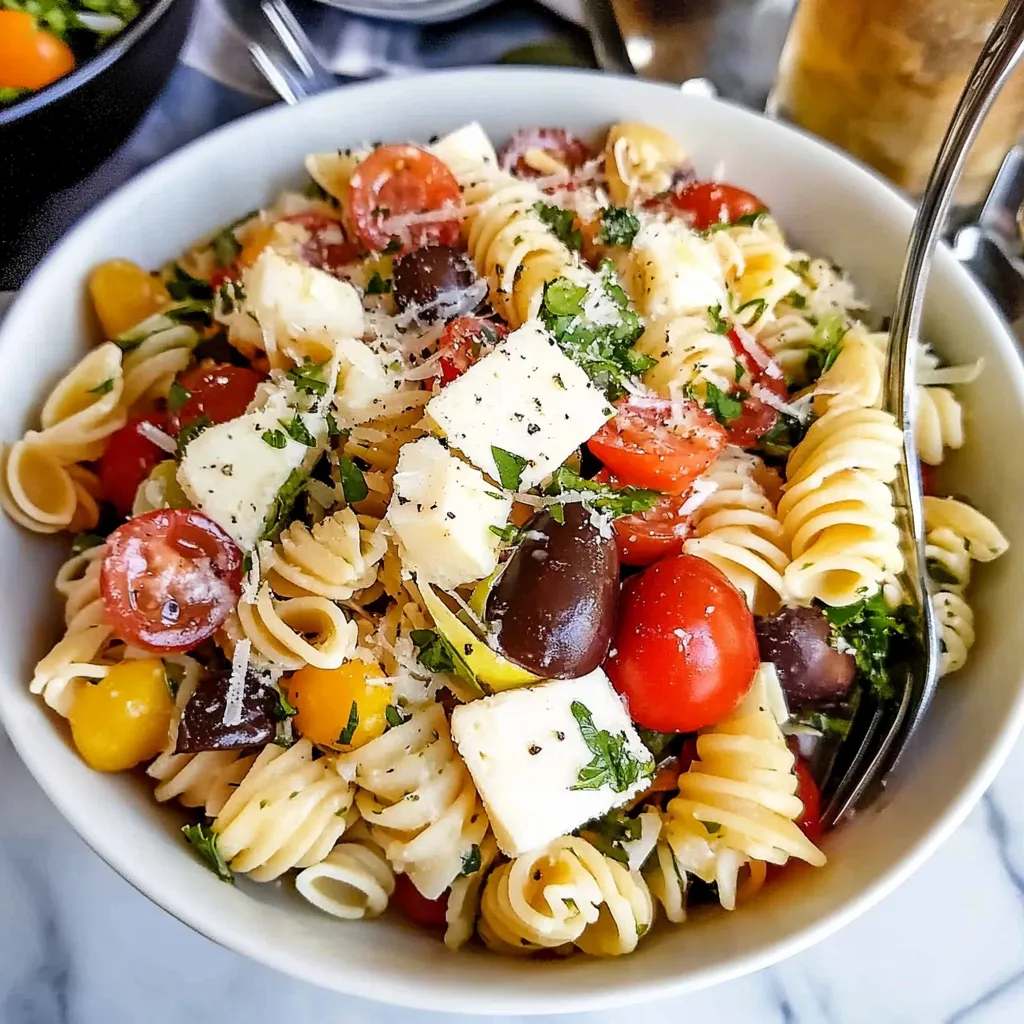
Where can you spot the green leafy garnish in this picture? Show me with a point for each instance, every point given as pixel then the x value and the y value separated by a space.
pixel 394 717
pixel 177 396
pixel 610 833
pixel 783 436
pixel 284 501
pixel 562 223
pixel 618 226
pixel 718 323
pixel 563 298
pixel 333 430
pixel 746 220
pixel 84 541
pixel 626 501
pixel 471 861
pixel 309 378
pixel 657 743
pixel 204 841
pixel 436 653
pixel 174 673
pixel 824 723
pixel 10 93
pixel 872 630
pixel 275 438
pixel 346 734
pixel 298 431
pixel 938 572
pixel 509 533
pixel 826 344
pixel 378 285
pixel 796 300
pixel 725 408
pixel 103 388
pixel 753 310
pixel 613 763
pixel 353 483
pixel 509 466
pixel 189 432
pixel 181 285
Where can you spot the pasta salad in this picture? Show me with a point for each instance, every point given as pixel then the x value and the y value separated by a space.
pixel 504 534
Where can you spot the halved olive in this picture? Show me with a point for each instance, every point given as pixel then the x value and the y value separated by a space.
pixel 554 605
pixel 202 726
pixel 424 275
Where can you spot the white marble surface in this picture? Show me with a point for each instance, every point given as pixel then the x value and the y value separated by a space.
pixel 79 945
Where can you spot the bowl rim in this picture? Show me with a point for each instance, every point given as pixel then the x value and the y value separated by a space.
pixel 94 66
pixel 412 992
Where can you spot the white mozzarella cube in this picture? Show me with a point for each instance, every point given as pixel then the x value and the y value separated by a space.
pixel 526 750
pixel 234 476
pixel 527 398
pixel 442 511
pixel 464 150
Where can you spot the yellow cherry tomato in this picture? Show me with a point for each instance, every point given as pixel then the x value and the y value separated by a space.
pixel 122 719
pixel 259 238
pixel 29 57
pixel 125 295
pixel 342 707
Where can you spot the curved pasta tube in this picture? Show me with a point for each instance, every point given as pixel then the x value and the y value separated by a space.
pixel 667 881
pixel 85 408
pixel 88 492
pixel 76 658
pixel 287 812
pixel 737 802
pixel 837 510
pixel 78 582
pixel 567 893
pixel 418 799
pixel 939 423
pixel 688 354
pixel 737 530
pixel 279 631
pixel 352 882
pixel 640 159
pixel 854 380
pixel 36 491
pixel 463 907
pixel 789 339
pixel 334 559
pixel 159 350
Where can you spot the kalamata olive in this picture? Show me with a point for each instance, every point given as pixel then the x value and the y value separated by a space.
pixel 554 604
pixel 797 642
pixel 202 725
pixel 421 276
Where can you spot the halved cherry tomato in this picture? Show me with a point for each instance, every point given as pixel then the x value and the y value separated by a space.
pixel 757 417
pixel 397 180
pixel 568 149
pixel 927 478
pixel 708 202
pixel 417 907
pixel 685 651
pixel 810 796
pixel 169 579
pixel 221 391
pixel 658 444
pixel 327 247
pixel 464 341
pixel 128 459
pixel 30 57
pixel 647 536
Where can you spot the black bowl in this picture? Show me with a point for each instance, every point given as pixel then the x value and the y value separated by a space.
pixel 55 136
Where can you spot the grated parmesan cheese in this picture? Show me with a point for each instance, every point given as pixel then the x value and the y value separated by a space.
pixel 160 438
pixel 763 394
pixel 236 683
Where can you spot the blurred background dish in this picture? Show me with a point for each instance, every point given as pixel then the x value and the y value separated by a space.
pixel 418 12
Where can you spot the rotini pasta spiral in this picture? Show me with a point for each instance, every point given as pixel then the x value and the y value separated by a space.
pixel 333 559
pixel 287 812
pixel 417 796
pixel 77 657
pixel 689 354
pixel 354 881
pixel 155 352
pixel 939 423
pixel 297 631
pixel 737 530
pixel 837 510
pixel 667 881
pixel 641 160
pixel 567 893
pixel 78 582
pixel 737 801
pixel 464 898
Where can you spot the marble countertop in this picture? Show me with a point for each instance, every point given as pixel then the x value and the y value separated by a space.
pixel 80 946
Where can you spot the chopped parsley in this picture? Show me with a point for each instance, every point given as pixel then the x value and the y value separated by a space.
pixel 610 833
pixel 874 633
pixel 940 574
pixel 826 344
pixel 298 431
pixel 658 743
pixel 226 247
pixel 746 220
pixel 85 541
pixel 562 223
pixel 204 841
pixel 613 764
pixel 471 861
pixel 353 483
pixel 275 438
pixel 618 226
pixel 181 285
pixel 346 734
pixel 437 654
pixel 625 501
pixel 103 388
pixel 189 432
pixel 509 533
pixel 378 285
pixel 783 436
pixel 333 430
pixel 509 466
pixel 394 717
pixel 177 396
pixel 796 300
pixel 826 724
pixel 174 673
pixel 284 502
pixel 752 311
pixel 718 323
pixel 725 408
pixel 309 377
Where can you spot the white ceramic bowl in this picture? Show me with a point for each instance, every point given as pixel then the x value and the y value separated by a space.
pixel 826 204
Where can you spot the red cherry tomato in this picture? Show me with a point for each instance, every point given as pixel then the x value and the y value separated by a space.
pixel 757 417
pixel 397 180
pixel 169 579
pixel 707 202
pixel 416 906
pixel 685 650
pixel 128 459
pixel 927 478
pixel 327 246
pixel 464 341
pixel 221 391
pixel 658 444
pixel 647 536
pixel 810 796
pixel 563 146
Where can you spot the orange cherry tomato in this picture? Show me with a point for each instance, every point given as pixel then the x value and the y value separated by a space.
pixel 29 57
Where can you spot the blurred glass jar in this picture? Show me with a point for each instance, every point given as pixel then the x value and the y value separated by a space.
pixel 880 78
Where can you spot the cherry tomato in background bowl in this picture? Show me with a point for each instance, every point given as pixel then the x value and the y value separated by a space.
pixel 169 579
pixel 685 650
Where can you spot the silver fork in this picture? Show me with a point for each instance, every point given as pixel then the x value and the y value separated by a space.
pixel 885 727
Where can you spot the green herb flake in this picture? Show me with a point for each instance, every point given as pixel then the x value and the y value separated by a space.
pixel 725 408
pixel 613 763
pixel 346 734
pixel 274 438
pixel 610 833
pixel 874 633
pixel 564 298
pixel 509 466
pixel 718 323
pixel 309 377
pixel 85 541
pixel 938 572
pixel 752 311
pixel 618 226
pixel 182 286
pixel 658 743
pixel 189 432
pixel 562 223
pixel 613 502
pixel 796 300
pixel 471 861
pixel 177 396
pixel 204 841
pixel 436 653
pixel 394 246
pixel 298 431
pixel 284 501
pixel 394 717
pixel 226 247
pixel 509 533
pixel 378 285
pixel 353 482
pixel 333 430
pixel 174 673
pixel 103 388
